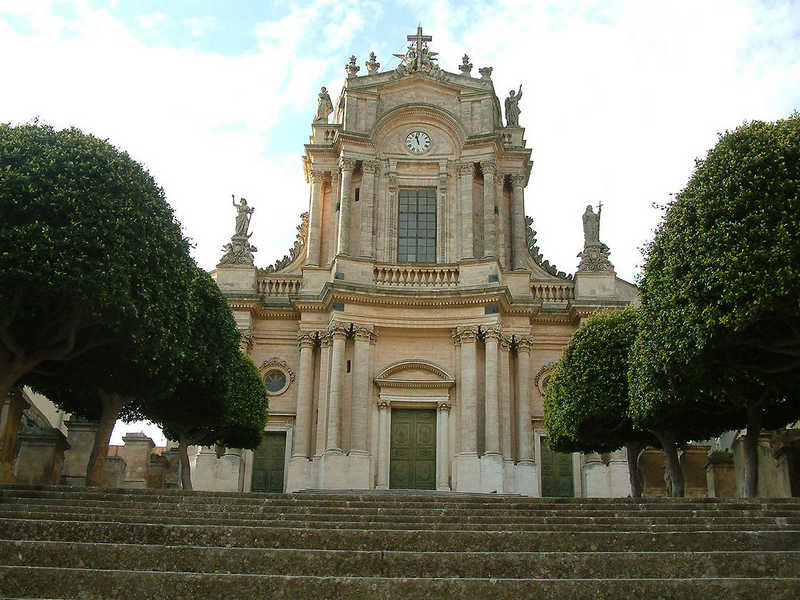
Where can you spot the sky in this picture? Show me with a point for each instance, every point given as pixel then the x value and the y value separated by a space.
pixel 216 98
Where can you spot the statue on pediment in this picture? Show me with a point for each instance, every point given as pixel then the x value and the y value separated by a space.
pixel 324 106
pixel 512 108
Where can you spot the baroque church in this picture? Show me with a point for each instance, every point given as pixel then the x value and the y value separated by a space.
pixel 407 337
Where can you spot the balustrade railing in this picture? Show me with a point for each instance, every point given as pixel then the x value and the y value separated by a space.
pixel 553 292
pixel 279 286
pixel 413 275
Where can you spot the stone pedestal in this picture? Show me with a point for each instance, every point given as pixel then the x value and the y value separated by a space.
pixel 526 479
pixel 299 475
pixel 694 462
pixel 492 474
pixel 137 456
pixel 720 475
pixel 41 456
pixel 212 474
pixel 10 415
pixel 467 473
pixel 172 475
pixel 114 472
pixel 80 436
pixel 159 466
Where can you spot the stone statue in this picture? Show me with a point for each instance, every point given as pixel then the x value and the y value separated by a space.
pixel 325 106
pixel 591 225
pixel 242 217
pixel 512 108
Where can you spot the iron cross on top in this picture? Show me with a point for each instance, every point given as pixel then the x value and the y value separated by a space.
pixel 419 39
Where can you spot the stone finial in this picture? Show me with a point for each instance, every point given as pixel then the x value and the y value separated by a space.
pixel 352 68
pixel 239 251
pixel 372 64
pixel 465 67
pixel 486 72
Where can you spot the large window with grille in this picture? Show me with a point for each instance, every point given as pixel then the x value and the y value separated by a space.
pixel 416 226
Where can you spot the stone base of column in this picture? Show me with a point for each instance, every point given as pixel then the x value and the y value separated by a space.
pixel 508 474
pixel 298 476
pixel 334 471
pixel 492 474
pixel 212 474
pixel 360 478
pixel 526 480
pixel 467 473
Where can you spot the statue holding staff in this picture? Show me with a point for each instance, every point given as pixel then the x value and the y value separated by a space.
pixel 242 217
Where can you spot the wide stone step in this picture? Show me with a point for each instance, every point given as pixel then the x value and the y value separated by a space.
pixel 455 510
pixel 406 540
pixel 432 523
pixel 26 582
pixel 344 563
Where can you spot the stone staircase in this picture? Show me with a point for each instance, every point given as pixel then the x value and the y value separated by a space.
pixel 132 544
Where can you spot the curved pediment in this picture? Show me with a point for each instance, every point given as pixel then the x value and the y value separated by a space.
pixel 414 373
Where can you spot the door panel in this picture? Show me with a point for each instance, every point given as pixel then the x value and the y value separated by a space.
pixel 413 450
pixel 268 461
pixel 557 480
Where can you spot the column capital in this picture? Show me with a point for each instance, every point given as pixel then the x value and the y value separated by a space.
pixel 517 180
pixel 384 404
pixel 370 166
pixel 505 343
pixel 443 406
pixel 465 334
pixel 489 167
pixel 325 339
pixel 347 164
pixel 492 332
pixel 464 168
pixel 364 333
pixel 306 339
pixel 338 330
pixel 317 175
pixel 524 343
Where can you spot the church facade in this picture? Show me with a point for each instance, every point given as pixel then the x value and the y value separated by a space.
pixel 407 337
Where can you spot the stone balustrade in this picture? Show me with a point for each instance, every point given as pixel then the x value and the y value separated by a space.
pixel 272 285
pixel 415 275
pixel 549 291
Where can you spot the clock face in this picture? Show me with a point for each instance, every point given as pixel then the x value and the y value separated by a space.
pixel 418 141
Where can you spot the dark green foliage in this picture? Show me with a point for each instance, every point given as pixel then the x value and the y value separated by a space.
pixel 719 346
pixel 247 408
pixel 90 257
pixel 586 401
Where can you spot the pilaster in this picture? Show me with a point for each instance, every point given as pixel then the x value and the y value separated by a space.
pixel 369 168
pixel 519 248
pixel 346 166
pixel 465 174
pixel 489 169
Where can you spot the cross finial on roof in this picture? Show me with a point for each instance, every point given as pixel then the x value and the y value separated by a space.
pixel 419 39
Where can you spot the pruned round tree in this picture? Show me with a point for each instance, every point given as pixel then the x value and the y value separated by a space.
pixel 94 273
pixel 586 400
pixel 720 341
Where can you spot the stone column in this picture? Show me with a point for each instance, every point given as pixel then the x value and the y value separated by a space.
pixel 323 391
pixel 80 435
pixel 526 481
pixel 489 203
pixel 10 416
pixel 305 395
pixel 369 168
pixel 137 457
pixel 506 414
pixel 443 447
pixel 465 172
pixel 468 467
pixel 525 441
pixel 443 225
pixel 339 336
pixel 343 241
pixel 519 245
pixel 492 461
pixel 315 218
pixel 384 443
pixel 364 338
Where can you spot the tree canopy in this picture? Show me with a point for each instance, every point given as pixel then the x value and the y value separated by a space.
pixel 94 275
pixel 719 346
pixel 586 400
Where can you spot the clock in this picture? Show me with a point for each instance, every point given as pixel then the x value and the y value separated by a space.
pixel 418 142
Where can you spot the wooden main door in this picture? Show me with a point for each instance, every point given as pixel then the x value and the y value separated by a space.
pixel 556 468
pixel 413 450
pixel 268 461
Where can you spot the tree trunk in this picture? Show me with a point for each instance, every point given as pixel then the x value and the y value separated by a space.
pixel 112 404
pixel 634 451
pixel 750 446
pixel 185 469
pixel 670 450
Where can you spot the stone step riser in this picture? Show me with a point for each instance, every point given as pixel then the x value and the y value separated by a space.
pixel 455 511
pixel 693 525
pixel 96 585
pixel 420 540
pixel 264 519
pixel 528 565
